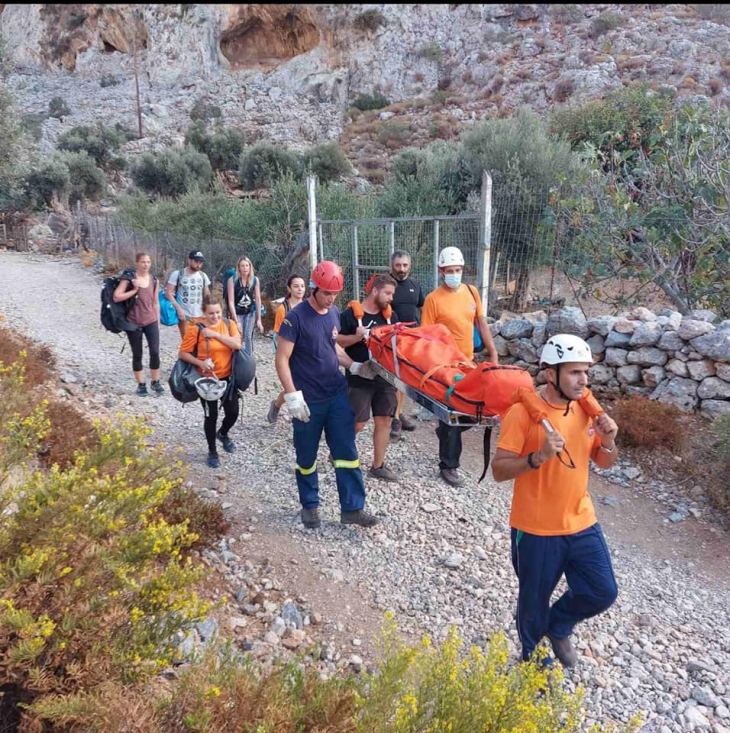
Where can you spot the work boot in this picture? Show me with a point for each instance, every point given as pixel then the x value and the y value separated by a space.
pixel 395 428
pixel 564 651
pixel 310 518
pixel 142 390
pixel 407 423
pixel 360 517
pixel 273 412
pixel 451 476
pixel 228 445
pixel 383 473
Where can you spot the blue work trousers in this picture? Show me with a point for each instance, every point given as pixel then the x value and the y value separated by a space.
pixel 539 562
pixel 336 418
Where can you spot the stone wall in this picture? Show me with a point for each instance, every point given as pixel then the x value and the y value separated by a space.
pixel 680 360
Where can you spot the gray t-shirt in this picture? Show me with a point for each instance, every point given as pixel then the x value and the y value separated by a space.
pixel 190 292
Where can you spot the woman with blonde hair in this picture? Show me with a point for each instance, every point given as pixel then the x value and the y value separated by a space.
pixel 243 295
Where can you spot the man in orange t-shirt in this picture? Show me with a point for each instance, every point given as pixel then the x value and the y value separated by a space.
pixel 554 527
pixel 459 308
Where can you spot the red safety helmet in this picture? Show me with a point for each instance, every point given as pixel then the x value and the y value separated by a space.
pixel 327 275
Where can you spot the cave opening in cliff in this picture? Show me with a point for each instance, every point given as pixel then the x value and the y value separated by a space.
pixel 268 35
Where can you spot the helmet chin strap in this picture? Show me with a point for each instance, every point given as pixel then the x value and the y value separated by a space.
pixel 560 389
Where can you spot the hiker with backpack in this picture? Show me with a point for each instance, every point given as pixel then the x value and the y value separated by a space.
pixel 370 395
pixel 140 287
pixel 407 303
pixel 546 443
pixel 308 361
pixel 459 307
pixel 243 295
pixel 295 290
pixel 209 345
pixel 186 289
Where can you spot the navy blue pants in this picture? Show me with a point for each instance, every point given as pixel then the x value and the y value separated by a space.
pixel 336 418
pixel 539 562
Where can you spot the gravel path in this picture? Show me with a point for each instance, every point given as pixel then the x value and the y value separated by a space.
pixel 439 557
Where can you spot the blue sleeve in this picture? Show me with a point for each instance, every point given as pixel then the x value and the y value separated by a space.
pixel 289 329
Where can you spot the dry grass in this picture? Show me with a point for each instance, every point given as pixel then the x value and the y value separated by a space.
pixel 646 423
pixel 715 86
pixel 39 361
pixel 205 518
pixel 689 82
pixel 70 431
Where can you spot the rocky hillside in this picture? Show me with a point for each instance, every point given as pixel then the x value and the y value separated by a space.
pixel 289 73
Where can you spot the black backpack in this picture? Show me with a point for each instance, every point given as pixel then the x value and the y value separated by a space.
pixel 114 315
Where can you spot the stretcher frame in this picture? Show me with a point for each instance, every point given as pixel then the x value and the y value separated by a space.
pixel 441 411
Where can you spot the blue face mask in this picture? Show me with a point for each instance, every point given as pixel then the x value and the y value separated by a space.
pixel 452 280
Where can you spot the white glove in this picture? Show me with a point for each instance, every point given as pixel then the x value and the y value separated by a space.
pixel 362 369
pixel 297 406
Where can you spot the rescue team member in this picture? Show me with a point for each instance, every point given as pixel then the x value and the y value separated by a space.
pixel 368 395
pixel 186 289
pixel 216 345
pixel 554 527
pixel 295 289
pixel 307 362
pixel 459 308
pixel 144 313
pixel 407 302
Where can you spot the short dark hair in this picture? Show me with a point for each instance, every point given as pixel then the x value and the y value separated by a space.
pixel 382 280
pixel 399 253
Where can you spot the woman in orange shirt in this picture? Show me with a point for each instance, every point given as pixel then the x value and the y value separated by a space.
pixel 210 346
pixel 296 287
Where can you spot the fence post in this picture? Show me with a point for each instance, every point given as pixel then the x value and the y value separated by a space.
pixel 485 231
pixel 436 245
pixel 392 238
pixel 355 265
pixel 321 243
pixel 312 211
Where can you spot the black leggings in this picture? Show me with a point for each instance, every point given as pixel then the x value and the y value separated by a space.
pixel 152 333
pixel 230 410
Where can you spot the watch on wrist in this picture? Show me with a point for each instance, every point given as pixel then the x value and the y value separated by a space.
pixel 529 461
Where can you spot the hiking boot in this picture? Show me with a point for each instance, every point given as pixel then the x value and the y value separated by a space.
pixel 142 390
pixel 360 517
pixel 407 423
pixel 564 651
pixel 213 460
pixel 157 388
pixel 395 428
pixel 310 518
pixel 451 476
pixel 228 445
pixel 273 412
pixel 383 473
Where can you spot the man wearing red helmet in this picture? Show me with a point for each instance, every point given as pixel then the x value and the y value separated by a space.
pixel 308 361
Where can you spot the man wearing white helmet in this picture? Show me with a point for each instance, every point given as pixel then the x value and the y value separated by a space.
pixel 554 526
pixel 459 308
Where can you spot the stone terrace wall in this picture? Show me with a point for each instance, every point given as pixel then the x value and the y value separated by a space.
pixel 680 360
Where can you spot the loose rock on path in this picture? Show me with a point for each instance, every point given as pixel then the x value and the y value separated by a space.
pixel 439 556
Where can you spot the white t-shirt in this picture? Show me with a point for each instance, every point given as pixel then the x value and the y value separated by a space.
pixel 190 292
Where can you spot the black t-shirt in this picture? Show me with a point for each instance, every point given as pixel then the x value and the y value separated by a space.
pixel 359 351
pixel 408 298
pixel 243 296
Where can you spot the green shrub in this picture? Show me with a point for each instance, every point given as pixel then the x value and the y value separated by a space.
pixel 223 147
pixel 100 142
pixel 605 22
pixel 50 179
pixel 32 123
pixel 87 180
pixel 566 13
pixel 716 12
pixel 326 161
pixel 393 131
pixel 172 172
pixel 431 51
pixel 204 111
pixel 264 163
pixel 365 102
pixel 109 80
pixel 58 108
pixel 369 20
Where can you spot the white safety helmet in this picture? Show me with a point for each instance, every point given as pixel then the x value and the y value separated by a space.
pixel 565 347
pixel 210 388
pixel 451 256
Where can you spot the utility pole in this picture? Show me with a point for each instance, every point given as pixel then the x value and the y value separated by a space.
pixel 136 72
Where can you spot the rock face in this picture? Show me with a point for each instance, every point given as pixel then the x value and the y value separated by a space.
pixel 289 72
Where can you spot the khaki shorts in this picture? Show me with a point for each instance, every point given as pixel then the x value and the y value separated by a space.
pixel 381 398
